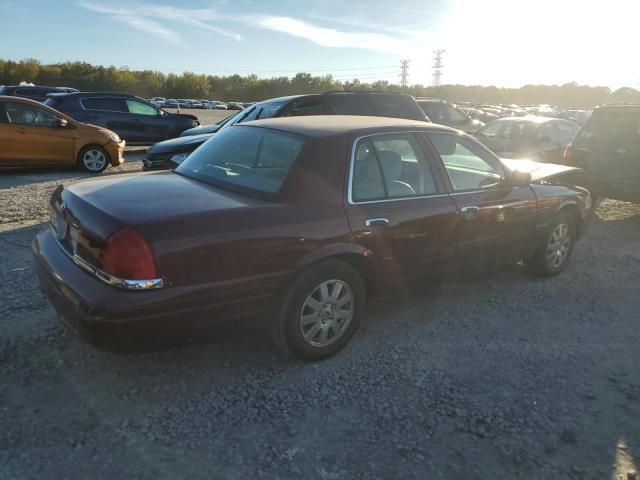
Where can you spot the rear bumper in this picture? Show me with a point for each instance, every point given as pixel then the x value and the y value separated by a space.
pixel 116 152
pixel 92 309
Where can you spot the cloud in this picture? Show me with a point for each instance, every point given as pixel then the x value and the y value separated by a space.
pixel 146 17
pixel 329 37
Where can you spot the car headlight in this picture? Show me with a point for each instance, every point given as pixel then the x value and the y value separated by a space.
pixel 179 157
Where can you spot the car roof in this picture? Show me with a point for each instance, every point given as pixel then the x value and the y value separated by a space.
pixel 90 94
pixel 528 118
pixel 319 126
pixel 620 106
pixel 11 98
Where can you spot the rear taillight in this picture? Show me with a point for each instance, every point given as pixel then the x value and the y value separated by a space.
pixel 127 255
pixel 567 158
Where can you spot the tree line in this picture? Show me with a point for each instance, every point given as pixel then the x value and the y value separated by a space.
pixel 149 83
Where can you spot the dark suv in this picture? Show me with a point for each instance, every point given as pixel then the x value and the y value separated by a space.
pixel 378 104
pixel 445 113
pixel 137 121
pixel 34 92
pixel 607 148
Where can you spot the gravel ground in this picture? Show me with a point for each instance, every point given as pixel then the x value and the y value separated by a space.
pixel 493 376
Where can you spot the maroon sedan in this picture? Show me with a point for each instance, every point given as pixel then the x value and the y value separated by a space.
pixel 299 220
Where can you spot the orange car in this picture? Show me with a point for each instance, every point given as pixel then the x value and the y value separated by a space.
pixel 32 134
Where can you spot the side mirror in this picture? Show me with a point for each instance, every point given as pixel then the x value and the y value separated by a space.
pixel 62 123
pixel 520 179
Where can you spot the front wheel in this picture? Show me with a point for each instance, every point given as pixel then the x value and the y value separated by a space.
pixel 321 311
pixel 93 159
pixel 553 257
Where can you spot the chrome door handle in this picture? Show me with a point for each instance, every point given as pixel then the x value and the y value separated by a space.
pixel 469 213
pixel 376 222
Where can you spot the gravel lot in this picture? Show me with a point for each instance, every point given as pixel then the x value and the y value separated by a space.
pixel 493 376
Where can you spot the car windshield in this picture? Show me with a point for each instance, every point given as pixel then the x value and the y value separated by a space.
pixel 248 159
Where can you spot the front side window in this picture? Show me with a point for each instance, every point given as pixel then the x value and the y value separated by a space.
pixel 245 158
pixel 507 129
pixel 312 107
pixel 435 111
pixel 456 116
pixel 140 108
pixel 24 114
pixel 548 132
pixel 388 167
pixel 350 105
pixel 105 104
pixel 566 131
pixel 467 165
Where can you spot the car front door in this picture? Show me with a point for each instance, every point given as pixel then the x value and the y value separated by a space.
pixel 36 137
pixel 148 122
pixel 497 221
pixel 398 208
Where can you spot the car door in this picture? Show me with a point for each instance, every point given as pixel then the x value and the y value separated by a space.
pixel 497 221
pixel 36 137
pixel 398 209
pixel 148 122
pixel 547 143
pixel 107 112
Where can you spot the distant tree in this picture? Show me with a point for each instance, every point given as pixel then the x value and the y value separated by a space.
pixel 148 83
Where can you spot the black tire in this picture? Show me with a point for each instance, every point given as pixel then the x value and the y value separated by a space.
pixel 288 326
pixel 93 159
pixel 546 262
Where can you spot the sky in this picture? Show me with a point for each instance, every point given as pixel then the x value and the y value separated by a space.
pixel 507 43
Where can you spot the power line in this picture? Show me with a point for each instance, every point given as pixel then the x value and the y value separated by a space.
pixel 437 66
pixel 404 73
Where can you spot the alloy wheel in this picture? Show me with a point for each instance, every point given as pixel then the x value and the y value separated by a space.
pixel 94 160
pixel 559 245
pixel 327 313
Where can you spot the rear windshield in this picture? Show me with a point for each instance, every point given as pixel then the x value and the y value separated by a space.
pixel 398 106
pixel 243 158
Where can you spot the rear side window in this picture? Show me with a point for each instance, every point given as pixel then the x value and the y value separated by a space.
pixel 507 129
pixel 30 92
pixel 613 129
pixel 105 104
pixel 388 167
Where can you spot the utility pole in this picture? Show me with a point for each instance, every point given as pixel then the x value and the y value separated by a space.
pixel 404 73
pixel 437 66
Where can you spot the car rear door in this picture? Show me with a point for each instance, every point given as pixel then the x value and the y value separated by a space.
pixel 398 208
pixel 148 122
pixel 497 221
pixel 108 112
pixel 35 136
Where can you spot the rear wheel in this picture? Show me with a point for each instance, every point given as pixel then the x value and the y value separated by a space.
pixel 93 159
pixel 554 255
pixel 321 311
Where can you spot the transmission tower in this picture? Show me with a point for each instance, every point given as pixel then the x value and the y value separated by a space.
pixel 437 67
pixel 404 73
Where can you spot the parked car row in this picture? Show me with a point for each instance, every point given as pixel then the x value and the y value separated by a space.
pixel 197 104
pixel 385 202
